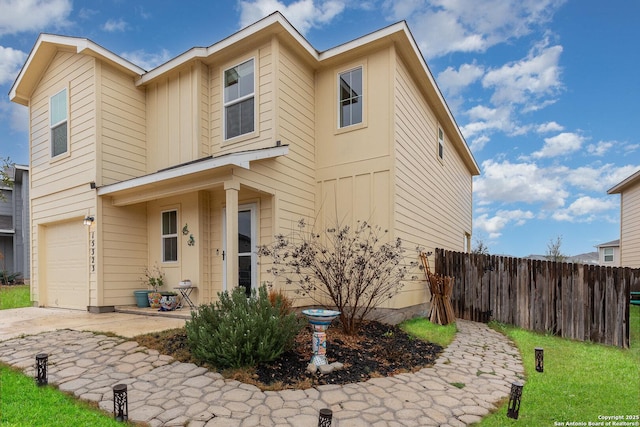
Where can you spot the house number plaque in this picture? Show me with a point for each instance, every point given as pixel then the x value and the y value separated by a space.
pixel 92 251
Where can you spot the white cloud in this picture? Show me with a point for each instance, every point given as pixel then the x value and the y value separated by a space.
pixel 33 15
pixel 596 179
pixel 451 81
pixel 526 80
pixel 11 61
pixel 146 60
pixel 114 25
pixel 303 14
pixel 494 225
pixel 600 148
pixel 549 127
pixel 484 119
pixel 563 143
pixel 445 26
pixel 477 144
pixel 508 182
pixel 584 209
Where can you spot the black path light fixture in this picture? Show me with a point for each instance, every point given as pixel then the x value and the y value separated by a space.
pixel 325 418
pixel 539 359
pixel 513 409
pixel 42 360
pixel 120 402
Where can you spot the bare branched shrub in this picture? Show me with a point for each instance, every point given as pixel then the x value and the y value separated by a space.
pixel 353 268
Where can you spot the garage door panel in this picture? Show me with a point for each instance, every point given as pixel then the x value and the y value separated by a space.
pixel 66 270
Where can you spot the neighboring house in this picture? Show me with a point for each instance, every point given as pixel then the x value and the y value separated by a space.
pixel 609 253
pixel 629 190
pixel 242 138
pixel 14 223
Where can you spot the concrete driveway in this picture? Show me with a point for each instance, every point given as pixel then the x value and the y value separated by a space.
pixel 33 320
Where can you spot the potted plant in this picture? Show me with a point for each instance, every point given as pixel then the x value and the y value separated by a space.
pixel 154 278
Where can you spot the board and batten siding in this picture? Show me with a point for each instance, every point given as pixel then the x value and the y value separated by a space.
pixel 174 126
pixel 122 127
pixel 630 226
pixel 60 187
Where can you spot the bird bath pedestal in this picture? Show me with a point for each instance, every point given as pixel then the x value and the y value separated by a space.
pixel 320 320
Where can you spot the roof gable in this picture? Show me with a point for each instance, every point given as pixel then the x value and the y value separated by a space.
pixel 46 48
pixel 626 183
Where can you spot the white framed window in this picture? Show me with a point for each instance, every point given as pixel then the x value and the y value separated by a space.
pixel 608 254
pixel 170 236
pixel 440 143
pixel 58 122
pixel 239 99
pixel 350 97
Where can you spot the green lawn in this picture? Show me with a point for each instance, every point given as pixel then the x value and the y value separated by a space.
pixel 23 403
pixel 581 381
pixel 423 329
pixel 14 296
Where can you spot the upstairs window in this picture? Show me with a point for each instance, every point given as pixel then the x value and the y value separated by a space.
pixel 350 97
pixel 239 105
pixel 440 144
pixel 170 236
pixel 58 123
pixel 608 254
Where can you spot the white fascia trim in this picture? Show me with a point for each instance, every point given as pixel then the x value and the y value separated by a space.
pixel 204 52
pixel 86 44
pixel 621 185
pixel 369 38
pixel 241 159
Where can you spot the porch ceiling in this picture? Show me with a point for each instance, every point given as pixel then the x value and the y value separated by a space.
pixel 198 175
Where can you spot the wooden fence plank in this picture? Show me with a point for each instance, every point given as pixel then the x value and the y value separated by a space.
pixel 575 301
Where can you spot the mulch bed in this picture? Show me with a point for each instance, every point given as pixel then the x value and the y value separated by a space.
pixel 378 350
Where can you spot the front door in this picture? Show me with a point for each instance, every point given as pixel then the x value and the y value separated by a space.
pixel 247 256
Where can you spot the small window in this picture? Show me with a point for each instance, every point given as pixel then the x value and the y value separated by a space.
pixel 608 254
pixel 440 143
pixel 239 105
pixel 350 97
pixel 58 123
pixel 170 236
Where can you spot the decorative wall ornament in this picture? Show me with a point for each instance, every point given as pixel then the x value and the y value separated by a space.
pixel 191 241
pixel 185 229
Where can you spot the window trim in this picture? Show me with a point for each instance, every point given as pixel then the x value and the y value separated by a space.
pixel 605 255
pixel 55 125
pixel 240 99
pixel 363 123
pixel 169 236
pixel 440 143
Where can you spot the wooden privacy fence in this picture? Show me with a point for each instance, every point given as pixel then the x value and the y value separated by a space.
pixel 577 301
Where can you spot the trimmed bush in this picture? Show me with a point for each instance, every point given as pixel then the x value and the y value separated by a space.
pixel 237 331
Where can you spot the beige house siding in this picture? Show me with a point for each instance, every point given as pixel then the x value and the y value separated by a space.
pixel 60 187
pixel 432 204
pixel 122 127
pixel 433 196
pixel 630 226
pixel 174 106
pixel 122 252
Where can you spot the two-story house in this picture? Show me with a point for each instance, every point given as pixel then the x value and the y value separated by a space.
pixel 193 164
pixel 629 190
pixel 609 253
pixel 14 223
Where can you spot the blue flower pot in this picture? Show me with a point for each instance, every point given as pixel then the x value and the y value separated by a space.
pixel 142 299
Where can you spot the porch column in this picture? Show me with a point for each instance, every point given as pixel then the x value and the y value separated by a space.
pixel 231 189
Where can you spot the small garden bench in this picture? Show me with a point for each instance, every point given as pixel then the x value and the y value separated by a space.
pixel 635 298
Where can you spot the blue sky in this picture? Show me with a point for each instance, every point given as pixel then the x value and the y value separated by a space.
pixel 546 92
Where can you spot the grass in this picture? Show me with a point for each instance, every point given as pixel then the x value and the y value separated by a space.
pixel 14 296
pixel 423 329
pixel 580 382
pixel 23 403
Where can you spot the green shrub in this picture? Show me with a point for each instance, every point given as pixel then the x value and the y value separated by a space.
pixel 237 331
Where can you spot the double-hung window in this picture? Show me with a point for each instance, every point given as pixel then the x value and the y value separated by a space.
pixel 239 99
pixel 170 236
pixel 350 95
pixel 608 254
pixel 58 123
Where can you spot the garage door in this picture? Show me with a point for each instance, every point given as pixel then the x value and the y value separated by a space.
pixel 66 279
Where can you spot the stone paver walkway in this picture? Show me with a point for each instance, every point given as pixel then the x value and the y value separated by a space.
pixel 472 375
